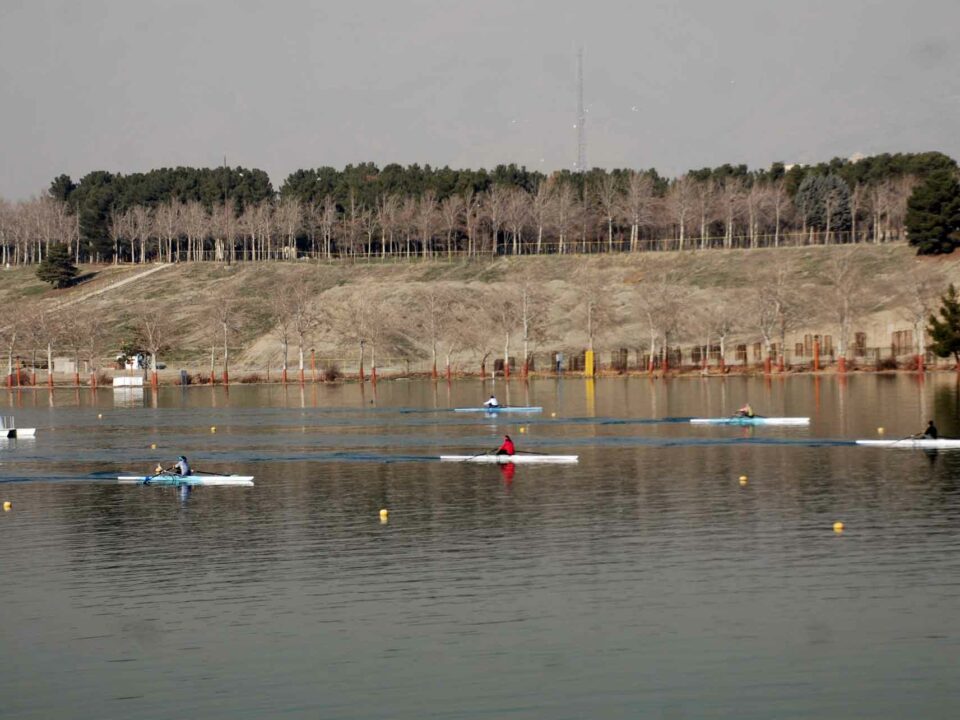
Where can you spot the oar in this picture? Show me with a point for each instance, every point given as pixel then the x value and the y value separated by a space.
pixel 530 452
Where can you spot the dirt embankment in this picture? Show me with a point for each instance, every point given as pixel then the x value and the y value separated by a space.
pixel 392 302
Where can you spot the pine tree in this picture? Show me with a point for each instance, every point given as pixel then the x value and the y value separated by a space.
pixel 57 268
pixel 933 214
pixel 945 332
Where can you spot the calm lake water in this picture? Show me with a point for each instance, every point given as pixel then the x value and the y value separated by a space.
pixel 646 581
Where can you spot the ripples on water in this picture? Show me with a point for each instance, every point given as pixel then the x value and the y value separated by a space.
pixel 644 582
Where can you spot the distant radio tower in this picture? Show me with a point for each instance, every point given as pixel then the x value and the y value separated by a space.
pixel 581 118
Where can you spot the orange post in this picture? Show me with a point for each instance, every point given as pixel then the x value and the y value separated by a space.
pixel 767 365
pixel 816 355
pixel 313 364
pixel 920 364
pixel 373 374
pixel 842 364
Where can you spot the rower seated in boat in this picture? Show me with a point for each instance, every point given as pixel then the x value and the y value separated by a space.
pixel 506 448
pixel 492 402
pixel 931 432
pixel 746 411
pixel 182 467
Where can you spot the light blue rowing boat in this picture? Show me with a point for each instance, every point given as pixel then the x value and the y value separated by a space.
pixel 755 420
pixel 174 480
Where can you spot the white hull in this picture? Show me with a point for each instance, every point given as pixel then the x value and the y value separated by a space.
pixel 176 480
pixel 515 459
pixel 914 443
pixel 752 421
pixel 17 432
pixel 502 409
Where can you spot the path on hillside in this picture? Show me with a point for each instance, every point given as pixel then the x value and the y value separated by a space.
pixel 60 305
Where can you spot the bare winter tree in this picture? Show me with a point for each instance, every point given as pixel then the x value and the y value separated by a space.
pixel 845 299
pixel 451 215
pixel 517 216
pixel 225 322
pixel 426 217
pixel 305 317
pixel 918 300
pixel 679 204
pixel 531 304
pixel 155 329
pixel 608 196
pixel 289 218
pixel 282 308
pixel 638 206
pixel 542 210
pixel 705 202
pixel 495 209
pixel 567 214
pixel 777 308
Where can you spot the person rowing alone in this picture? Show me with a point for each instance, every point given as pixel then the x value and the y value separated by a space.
pixel 492 402
pixel 506 448
pixel 931 432
pixel 746 411
pixel 182 467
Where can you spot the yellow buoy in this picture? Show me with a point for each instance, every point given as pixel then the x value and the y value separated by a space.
pixel 213 428
pixel 743 479
pixel 7 505
pixel 838 527
pixel 522 430
pixel 384 515
pixel 100 416
pixel 153 446
pixel 553 414
pixel 879 431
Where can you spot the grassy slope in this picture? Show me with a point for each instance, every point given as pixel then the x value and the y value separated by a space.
pixel 186 292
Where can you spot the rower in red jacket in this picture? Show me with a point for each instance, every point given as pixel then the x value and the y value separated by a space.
pixel 507 447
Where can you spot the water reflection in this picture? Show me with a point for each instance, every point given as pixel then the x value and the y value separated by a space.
pixel 679 588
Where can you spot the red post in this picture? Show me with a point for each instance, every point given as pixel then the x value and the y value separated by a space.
pixel 154 379
pixel 283 376
pixel 506 367
pixel 842 364
pixel 226 377
pixel 313 364
pixel 49 377
pixel 816 356
pixel 920 364
pixel 448 372
pixel 767 365
pixel 433 373
pixel 76 378
pixel 781 366
pixel 361 373
pixel 301 376
pixel 526 368
pixel 93 380
pixel 483 369
pixel 373 374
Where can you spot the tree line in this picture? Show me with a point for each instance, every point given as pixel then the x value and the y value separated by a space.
pixel 233 214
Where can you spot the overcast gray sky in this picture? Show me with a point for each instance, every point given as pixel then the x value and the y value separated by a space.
pixel 132 85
